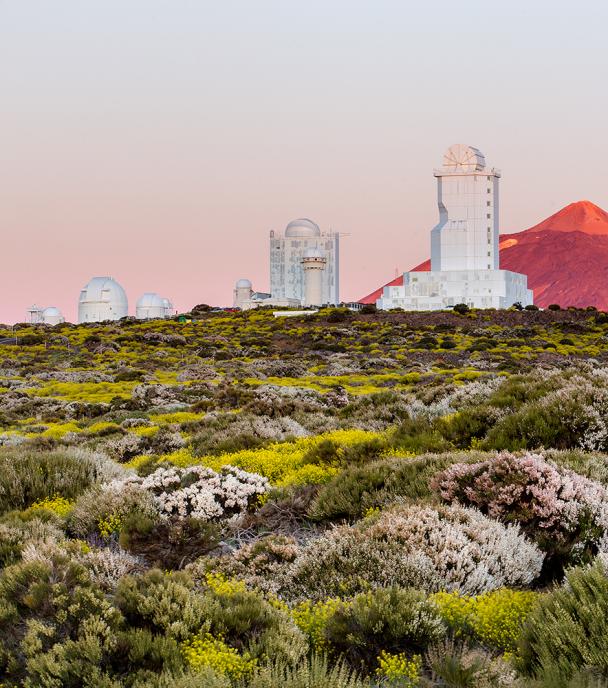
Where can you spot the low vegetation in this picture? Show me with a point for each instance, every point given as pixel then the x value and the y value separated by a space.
pixel 340 500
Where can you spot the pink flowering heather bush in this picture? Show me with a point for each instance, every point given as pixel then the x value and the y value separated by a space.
pixel 565 513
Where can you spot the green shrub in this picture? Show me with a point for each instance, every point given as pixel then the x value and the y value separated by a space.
pixel 392 620
pixel 316 672
pixel 566 632
pixel 28 476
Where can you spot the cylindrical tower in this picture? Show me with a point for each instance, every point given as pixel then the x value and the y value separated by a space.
pixel 313 264
pixel 242 292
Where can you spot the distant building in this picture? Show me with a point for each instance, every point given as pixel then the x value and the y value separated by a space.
pixel 464 244
pixel 246 298
pixel 102 299
pixel 287 273
pixel 151 305
pixel 45 316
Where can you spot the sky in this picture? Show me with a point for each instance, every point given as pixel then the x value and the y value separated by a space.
pixel 158 141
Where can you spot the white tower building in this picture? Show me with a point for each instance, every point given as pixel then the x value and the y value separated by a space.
pixel 102 299
pixel 151 305
pixel 35 314
pixel 313 264
pixel 464 244
pixel 286 253
pixel 243 291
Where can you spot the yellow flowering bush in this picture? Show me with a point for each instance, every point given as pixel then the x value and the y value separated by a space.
pixel 224 586
pixel 283 463
pixel 399 667
pixel 109 525
pixel 207 651
pixel 58 505
pixel 311 618
pixel 495 618
pixel 58 430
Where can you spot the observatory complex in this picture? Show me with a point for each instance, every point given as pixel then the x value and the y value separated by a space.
pixel 304 269
pixel 464 244
pixel 45 316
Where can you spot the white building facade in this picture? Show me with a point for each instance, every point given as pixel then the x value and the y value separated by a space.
pixel 464 244
pixel 287 278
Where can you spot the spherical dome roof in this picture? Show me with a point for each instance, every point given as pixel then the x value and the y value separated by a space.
pixel 51 311
pixel 313 253
pixel 302 228
pixel 243 284
pixel 104 290
pixel 168 304
pixel 150 300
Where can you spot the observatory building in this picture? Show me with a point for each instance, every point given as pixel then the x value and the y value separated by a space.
pixel 464 244
pixel 287 271
pixel 102 299
pixel 151 305
pixel 304 270
pixel 45 316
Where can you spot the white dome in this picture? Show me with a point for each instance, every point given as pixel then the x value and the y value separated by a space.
pixel 313 253
pixel 150 300
pixel 151 305
pixel 102 299
pixel 52 316
pixel 243 284
pixel 302 228
pixel 463 158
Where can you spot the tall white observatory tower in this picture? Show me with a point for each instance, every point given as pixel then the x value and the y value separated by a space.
pixel 466 237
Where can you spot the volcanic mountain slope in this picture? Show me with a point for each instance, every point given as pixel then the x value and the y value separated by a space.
pixel 565 258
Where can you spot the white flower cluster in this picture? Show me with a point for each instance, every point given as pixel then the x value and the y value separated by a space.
pixel 201 493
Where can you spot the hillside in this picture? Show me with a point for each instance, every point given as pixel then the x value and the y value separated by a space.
pixel 565 258
pixel 340 500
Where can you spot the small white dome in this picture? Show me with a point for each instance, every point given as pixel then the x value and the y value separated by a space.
pixel 243 284
pixel 302 228
pixel 150 300
pixel 52 316
pixel 313 253
pixel 102 299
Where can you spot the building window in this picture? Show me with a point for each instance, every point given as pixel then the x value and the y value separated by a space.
pixel 489 254
pixel 489 190
pixel 489 178
pixel 488 216
pixel 489 203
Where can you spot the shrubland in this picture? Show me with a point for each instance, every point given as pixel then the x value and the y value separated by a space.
pixel 341 500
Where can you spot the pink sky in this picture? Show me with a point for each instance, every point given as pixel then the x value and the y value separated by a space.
pixel 159 142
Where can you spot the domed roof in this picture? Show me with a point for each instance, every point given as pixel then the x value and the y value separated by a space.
pixel 313 253
pixel 168 304
pixel 302 228
pixel 243 284
pixel 463 158
pixel 51 311
pixel 104 290
pixel 150 300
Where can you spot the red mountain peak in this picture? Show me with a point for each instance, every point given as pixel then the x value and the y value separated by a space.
pixel 582 216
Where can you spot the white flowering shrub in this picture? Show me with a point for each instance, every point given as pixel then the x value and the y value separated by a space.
pixel 201 493
pixel 448 548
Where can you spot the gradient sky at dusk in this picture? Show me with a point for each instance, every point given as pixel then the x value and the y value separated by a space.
pixel 158 141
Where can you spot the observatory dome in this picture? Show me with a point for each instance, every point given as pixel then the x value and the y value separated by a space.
pixel 302 228
pixel 52 316
pixel 102 299
pixel 151 305
pixel 243 284
pixel 463 158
